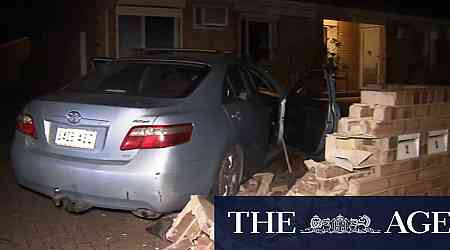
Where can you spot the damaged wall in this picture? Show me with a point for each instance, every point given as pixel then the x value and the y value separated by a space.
pixel 394 143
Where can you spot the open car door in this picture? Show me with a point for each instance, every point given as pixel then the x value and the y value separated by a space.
pixel 311 113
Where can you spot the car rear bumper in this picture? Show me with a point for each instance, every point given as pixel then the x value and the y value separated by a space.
pixel 159 185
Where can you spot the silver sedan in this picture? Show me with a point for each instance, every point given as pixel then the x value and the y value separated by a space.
pixel 143 134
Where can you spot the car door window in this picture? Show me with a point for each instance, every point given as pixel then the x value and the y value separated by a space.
pixel 234 85
pixel 260 84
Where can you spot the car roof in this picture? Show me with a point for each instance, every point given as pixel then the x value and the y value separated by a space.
pixel 209 57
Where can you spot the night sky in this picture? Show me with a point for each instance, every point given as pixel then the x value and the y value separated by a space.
pixel 32 18
pixel 28 18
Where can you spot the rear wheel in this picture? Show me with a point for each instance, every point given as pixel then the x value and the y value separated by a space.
pixel 230 174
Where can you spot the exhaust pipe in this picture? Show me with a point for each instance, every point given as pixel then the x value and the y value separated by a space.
pixel 146 213
pixel 57 197
pixel 71 206
pixel 75 206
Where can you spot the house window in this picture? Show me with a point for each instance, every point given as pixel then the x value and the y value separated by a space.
pixel 140 27
pixel 210 16
pixel 145 32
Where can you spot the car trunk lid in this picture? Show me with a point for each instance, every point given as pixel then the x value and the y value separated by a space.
pixel 91 126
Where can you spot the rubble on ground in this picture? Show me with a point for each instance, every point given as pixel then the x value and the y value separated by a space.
pixel 394 143
pixel 261 184
pixel 193 227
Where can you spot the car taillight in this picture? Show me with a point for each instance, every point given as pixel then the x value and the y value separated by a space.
pixel 25 125
pixel 156 136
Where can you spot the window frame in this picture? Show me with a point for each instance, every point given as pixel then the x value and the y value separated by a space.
pixel 245 83
pixel 213 26
pixel 272 91
pixel 143 12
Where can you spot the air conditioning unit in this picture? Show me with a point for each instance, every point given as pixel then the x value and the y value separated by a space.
pixel 211 16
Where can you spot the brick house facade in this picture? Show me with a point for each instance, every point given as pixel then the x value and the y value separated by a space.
pixel 289 35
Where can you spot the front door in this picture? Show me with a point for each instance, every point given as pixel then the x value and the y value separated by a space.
pixel 372 54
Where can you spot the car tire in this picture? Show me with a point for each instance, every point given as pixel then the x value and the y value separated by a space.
pixel 229 175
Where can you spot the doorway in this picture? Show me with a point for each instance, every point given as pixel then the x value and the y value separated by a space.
pixel 255 40
pixel 358 50
pixel 372 54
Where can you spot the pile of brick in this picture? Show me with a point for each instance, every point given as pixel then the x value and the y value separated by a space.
pixel 193 227
pixel 393 143
pixel 261 184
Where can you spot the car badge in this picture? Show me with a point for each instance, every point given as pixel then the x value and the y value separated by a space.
pixel 73 117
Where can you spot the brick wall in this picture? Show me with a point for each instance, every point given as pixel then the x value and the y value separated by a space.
pixel 16 53
pixel 209 38
pixel 394 143
pixel 105 25
pixel 348 53
pixel 406 59
pixel 300 47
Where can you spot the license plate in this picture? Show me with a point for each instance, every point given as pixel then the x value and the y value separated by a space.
pixel 76 138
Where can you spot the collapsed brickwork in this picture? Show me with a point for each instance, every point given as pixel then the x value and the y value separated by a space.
pixel 193 227
pixel 393 143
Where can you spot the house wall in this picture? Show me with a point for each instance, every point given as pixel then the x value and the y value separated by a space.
pixel 300 48
pixel 105 28
pixel 441 73
pixel 409 53
pixel 295 51
pixel 63 45
pixel 17 52
pixel 405 53
pixel 348 35
pixel 406 57
pixel 209 38
pixel 53 54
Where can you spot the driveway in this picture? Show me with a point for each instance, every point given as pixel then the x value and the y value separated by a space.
pixel 30 221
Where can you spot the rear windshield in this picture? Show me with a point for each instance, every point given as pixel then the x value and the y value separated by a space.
pixel 160 80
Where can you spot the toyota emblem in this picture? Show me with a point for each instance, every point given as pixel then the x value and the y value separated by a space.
pixel 73 117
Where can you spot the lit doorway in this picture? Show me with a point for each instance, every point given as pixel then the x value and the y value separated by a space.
pixel 372 54
pixel 358 49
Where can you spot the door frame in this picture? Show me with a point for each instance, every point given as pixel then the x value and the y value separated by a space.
pixel 249 17
pixel 143 12
pixel 381 73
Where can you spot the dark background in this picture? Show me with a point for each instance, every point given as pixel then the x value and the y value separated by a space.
pixel 32 18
